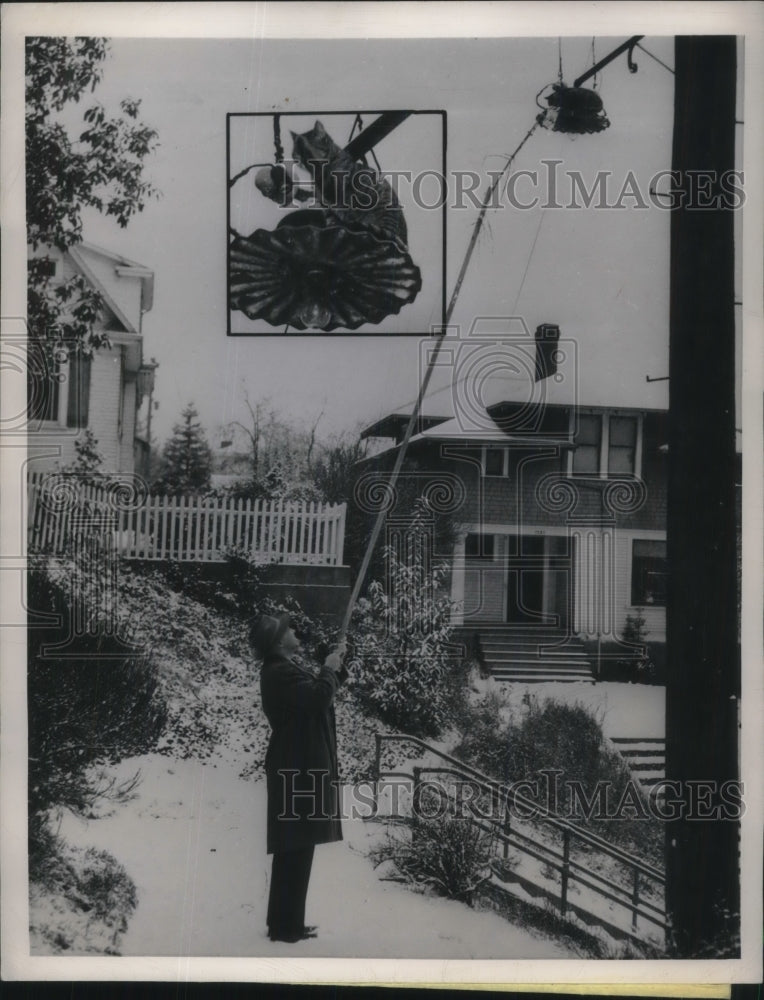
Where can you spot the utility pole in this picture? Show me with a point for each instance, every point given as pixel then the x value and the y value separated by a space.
pixel 702 691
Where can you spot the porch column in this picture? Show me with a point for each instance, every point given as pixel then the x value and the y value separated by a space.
pixel 593 580
pixel 457 581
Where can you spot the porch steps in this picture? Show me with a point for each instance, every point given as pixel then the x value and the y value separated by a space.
pixel 646 758
pixel 530 655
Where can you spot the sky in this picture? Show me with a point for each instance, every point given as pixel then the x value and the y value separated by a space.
pixel 600 273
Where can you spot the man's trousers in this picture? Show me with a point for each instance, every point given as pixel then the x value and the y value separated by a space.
pixel 290 874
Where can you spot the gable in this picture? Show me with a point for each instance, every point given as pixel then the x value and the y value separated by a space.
pixel 126 287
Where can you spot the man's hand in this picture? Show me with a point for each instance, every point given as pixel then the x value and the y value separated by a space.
pixel 334 659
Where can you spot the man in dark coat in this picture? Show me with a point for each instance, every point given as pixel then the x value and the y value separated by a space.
pixel 300 768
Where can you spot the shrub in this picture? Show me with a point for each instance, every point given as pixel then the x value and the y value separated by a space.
pixel 450 855
pixel 106 884
pixel 637 665
pixel 485 740
pixel 80 900
pixel 401 663
pixel 91 697
pixel 409 501
pixel 234 586
pixel 563 737
pixel 399 668
pixel 87 462
pixel 567 742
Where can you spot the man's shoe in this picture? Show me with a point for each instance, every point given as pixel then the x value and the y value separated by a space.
pixel 307 932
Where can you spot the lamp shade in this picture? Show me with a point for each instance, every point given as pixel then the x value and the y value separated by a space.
pixel 312 272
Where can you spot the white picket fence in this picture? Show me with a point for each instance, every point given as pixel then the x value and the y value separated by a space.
pixel 183 529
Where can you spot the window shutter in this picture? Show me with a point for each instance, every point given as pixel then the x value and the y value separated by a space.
pixel 78 403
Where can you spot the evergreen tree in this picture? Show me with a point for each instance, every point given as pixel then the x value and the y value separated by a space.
pixel 187 458
pixel 336 471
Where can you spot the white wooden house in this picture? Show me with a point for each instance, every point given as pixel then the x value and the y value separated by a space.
pixel 102 393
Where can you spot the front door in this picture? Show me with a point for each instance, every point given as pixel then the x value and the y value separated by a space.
pixel 539 580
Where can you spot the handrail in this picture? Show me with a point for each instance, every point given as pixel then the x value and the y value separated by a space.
pixel 591 838
pixel 500 828
pixel 567 866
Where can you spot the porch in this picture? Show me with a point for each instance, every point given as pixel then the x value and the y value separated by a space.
pixel 582 580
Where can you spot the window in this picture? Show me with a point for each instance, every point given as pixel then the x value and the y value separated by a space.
pixel 606 444
pixel 586 456
pixel 649 572
pixel 48 376
pixel 493 461
pixel 78 382
pixel 479 546
pixel 622 445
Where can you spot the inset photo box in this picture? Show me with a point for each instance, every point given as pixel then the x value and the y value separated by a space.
pixel 336 222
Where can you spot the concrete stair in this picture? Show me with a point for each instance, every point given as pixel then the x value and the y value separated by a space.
pixel 527 654
pixel 646 758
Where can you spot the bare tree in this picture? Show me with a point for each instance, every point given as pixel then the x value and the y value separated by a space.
pixel 312 442
pixel 253 431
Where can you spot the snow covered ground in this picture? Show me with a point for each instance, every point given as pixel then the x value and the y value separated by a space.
pixel 193 840
pixel 622 709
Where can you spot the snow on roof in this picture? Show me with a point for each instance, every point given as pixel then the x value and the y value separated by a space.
pixel 454 430
pixel 482 376
pixel 91 260
pixel 463 405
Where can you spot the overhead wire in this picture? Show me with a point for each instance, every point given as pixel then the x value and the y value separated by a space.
pixel 528 262
pixel 659 61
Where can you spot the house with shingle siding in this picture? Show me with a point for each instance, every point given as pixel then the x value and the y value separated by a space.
pixel 558 502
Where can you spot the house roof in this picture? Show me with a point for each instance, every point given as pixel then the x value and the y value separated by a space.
pixel 394 425
pixel 103 269
pixel 454 430
pixel 464 403
pixel 503 372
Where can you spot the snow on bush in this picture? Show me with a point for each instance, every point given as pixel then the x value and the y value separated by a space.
pixel 80 902
pixel 401 663
pixel 449 855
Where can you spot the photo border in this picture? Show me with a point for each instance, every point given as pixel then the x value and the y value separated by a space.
pixel 261 21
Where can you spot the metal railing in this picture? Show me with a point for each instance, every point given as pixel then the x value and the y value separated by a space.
pixel 645 883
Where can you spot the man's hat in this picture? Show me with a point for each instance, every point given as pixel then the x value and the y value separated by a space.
pixel 265 632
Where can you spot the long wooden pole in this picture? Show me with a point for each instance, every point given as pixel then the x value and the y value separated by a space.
pixel 380 519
